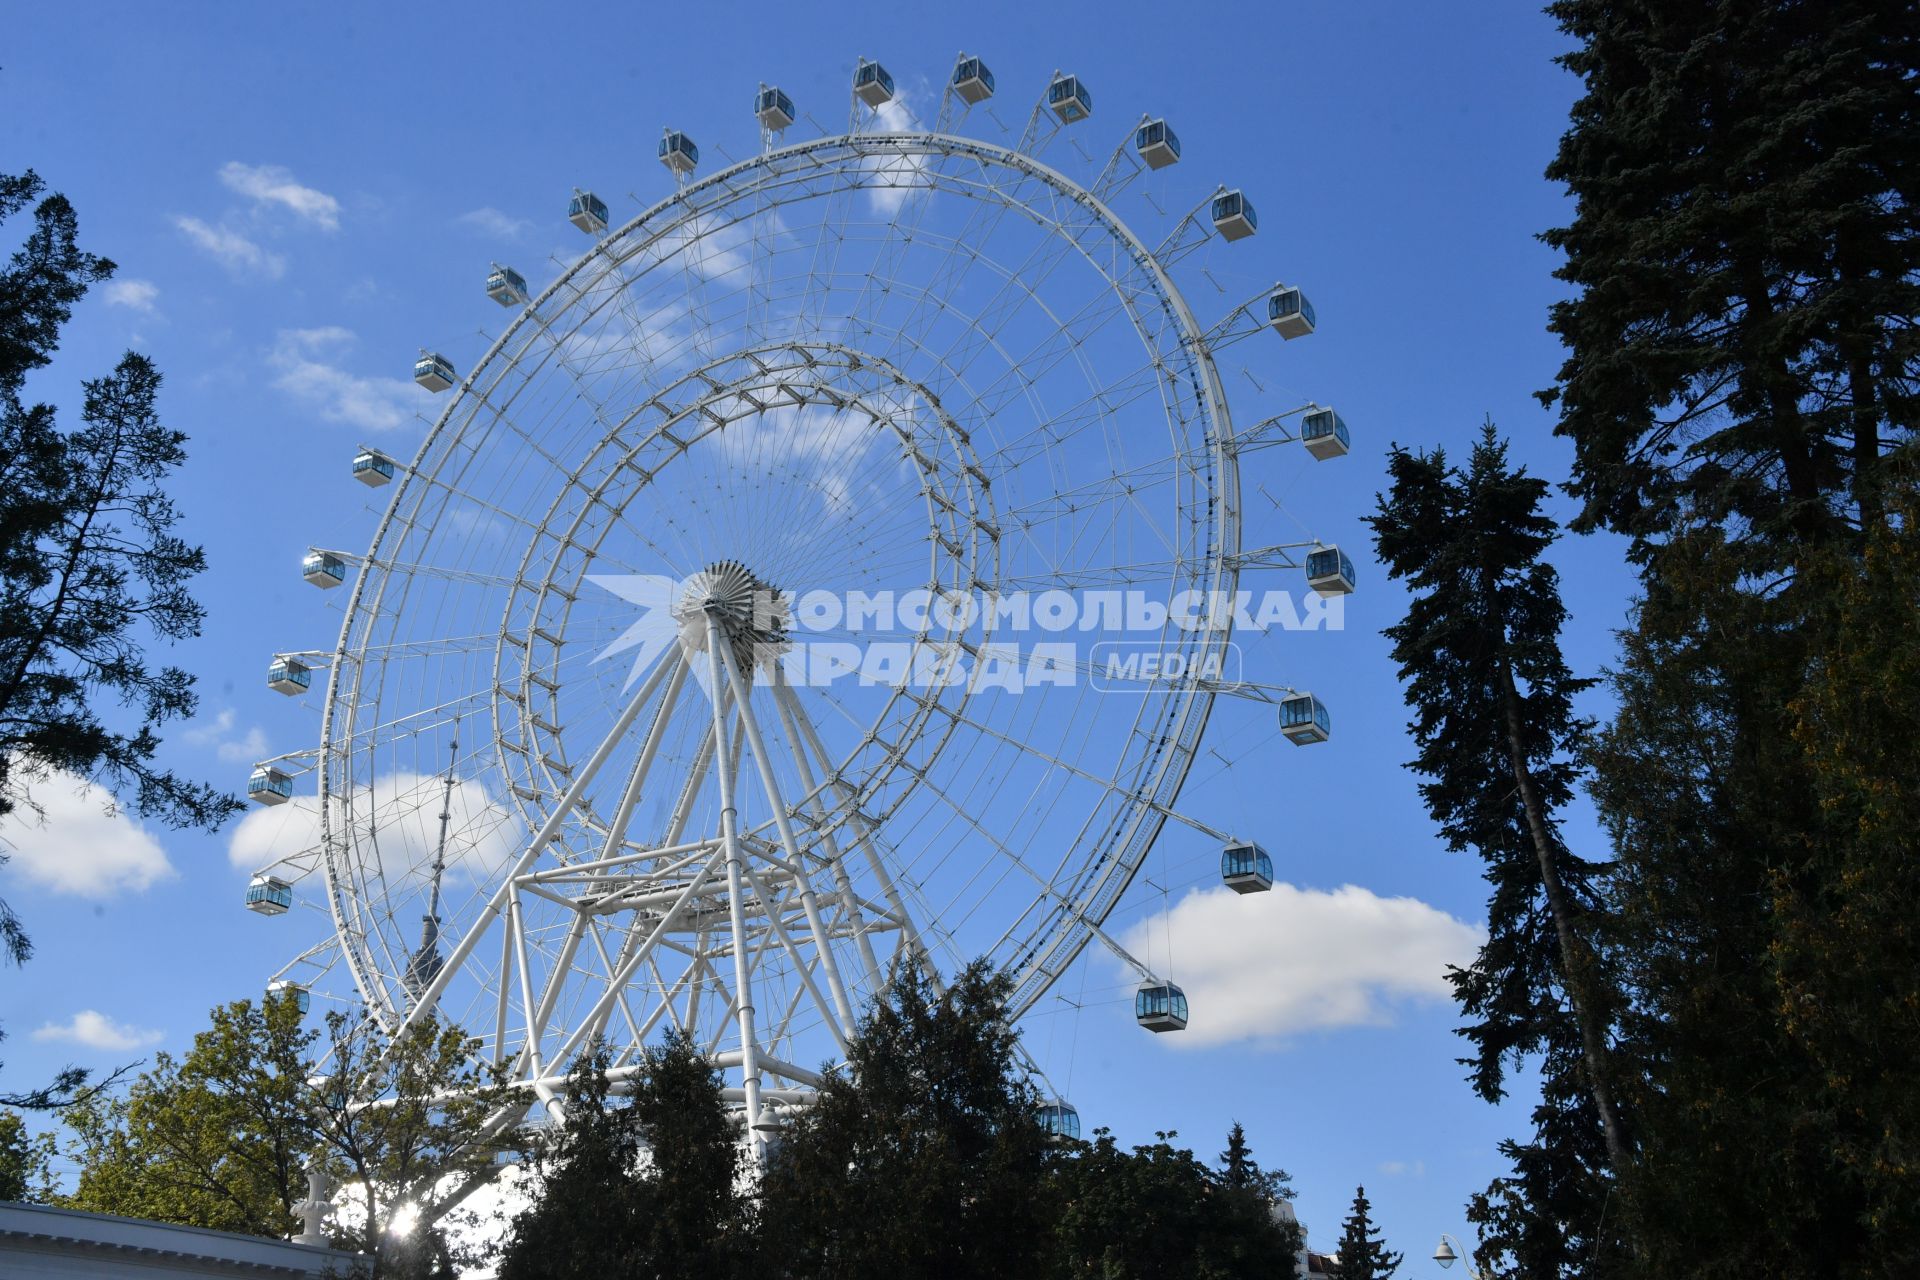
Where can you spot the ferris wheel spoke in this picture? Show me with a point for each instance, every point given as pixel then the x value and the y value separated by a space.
pixel 564 806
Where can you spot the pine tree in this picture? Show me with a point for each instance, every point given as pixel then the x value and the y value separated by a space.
pixel 1363 1253
pixel 90 568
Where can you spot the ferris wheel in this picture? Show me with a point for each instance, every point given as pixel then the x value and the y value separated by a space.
pixel 737 631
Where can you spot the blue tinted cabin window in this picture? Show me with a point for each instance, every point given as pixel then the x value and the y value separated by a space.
pixel 1172 139
pixel 295 672
pixel 1245 860
pixel 986 78
pixel 1296 712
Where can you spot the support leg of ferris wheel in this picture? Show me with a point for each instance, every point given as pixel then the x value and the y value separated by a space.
pixel 843 883
pixel 783 822
pixel 736 914
pixel 430 996
pixel 796 716
pixel 616 835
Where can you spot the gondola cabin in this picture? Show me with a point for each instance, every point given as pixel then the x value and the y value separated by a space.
pixel 372 468
pixel 1324 433
pixel 1330 571
pixel 1069 99
pixel 1233 216
pixel 1157 144
pixel 773 109
pixel 1160 1006
pixel 1304 720
pixel 434 371
pixel 1290 314
pixel 282 988
pixel 269 785
pixel 507 286
pixel 588 212
pixel 289 676
pixel 1246 868
pixel 872 85
pixel 269 895
pixel 972 82
pixel 678 153
pixel 1058 1120
pixel 323 569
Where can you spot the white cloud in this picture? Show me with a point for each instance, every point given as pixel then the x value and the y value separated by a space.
pixel 405 810
pixel 490 221
pixel 1266 967
pixel 896 179
pixel 95 1030
pixel 1404 1168
pixel 83 845
pixel 136 295
pixel 232 250
pixel 274 184
pixel 218 734
pixel 302 357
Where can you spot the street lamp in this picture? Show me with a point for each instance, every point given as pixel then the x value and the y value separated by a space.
pixel 1449 1251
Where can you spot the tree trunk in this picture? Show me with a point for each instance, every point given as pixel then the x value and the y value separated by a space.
pixel 1575 958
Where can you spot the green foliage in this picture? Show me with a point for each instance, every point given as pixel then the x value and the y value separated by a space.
pixel 1744 258
pixel 1363 1253
pixel 222 1137
pixel 409 1125
pixel 26 1161
pixel 89 566
pixel 88 559
pixel 924 1160
pixel 1158 1213
pixel 585 1218
pixel 1740 392
pixel 1485 617
pixel 1479 654
pixel 216 1139
pixel 642 1188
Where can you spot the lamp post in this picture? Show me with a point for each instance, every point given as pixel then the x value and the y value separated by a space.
pixel 1449 1251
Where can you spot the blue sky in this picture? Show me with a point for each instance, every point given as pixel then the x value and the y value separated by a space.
pixel 300 199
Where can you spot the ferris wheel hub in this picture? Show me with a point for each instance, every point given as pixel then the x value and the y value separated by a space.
pixel 751 612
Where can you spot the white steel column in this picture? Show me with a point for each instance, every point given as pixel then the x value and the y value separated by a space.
pixel 842 882
pixel 782 820
pixel 736 888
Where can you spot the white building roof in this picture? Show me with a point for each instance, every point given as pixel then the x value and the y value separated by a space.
pixel 38 1242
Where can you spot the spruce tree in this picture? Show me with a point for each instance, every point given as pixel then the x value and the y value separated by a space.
pixel 1363 1253
pixel 583 1218
pixel 924 1159
pixel 1739 390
